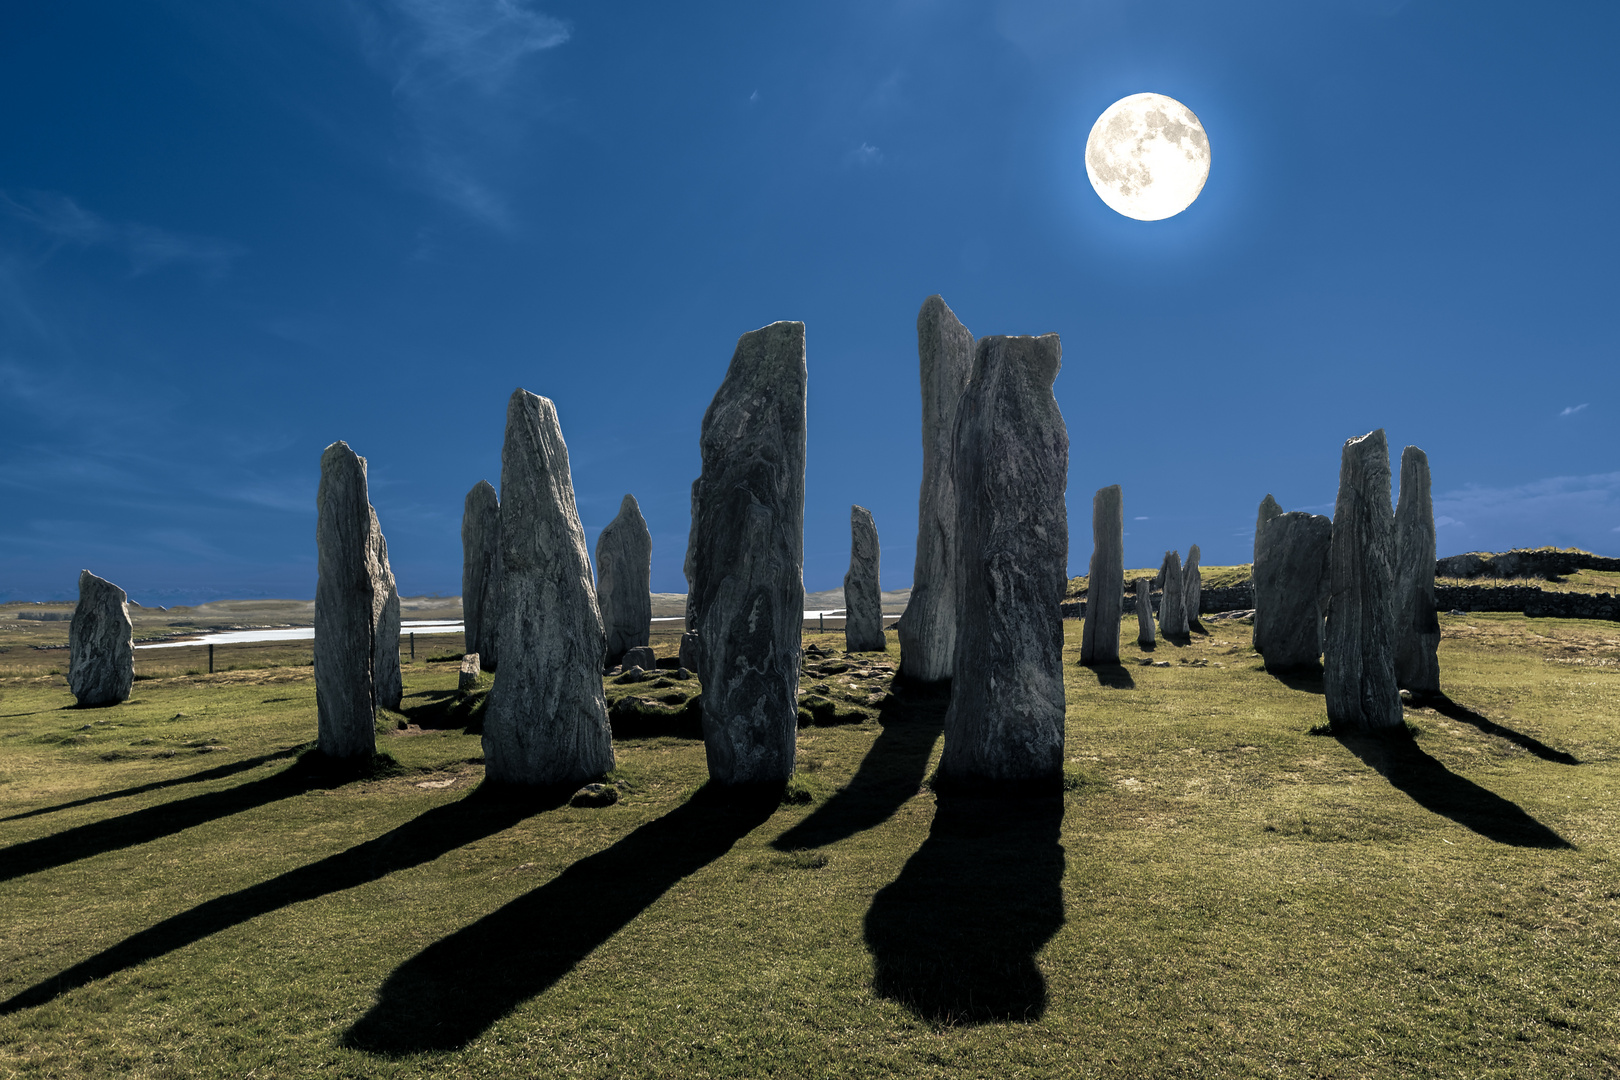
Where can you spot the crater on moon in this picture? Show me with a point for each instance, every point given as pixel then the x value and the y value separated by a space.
pixel 1147 156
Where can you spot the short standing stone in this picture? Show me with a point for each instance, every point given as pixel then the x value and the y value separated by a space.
pixel 689 650
pixel 863 600
pixel 1172 602
pixel 642 657
pixel 1192 585
pixel 745 559
pixel 1144 612
pixel 1358 656
pixel 101 643
pixel 546 722
pixel 1290 589
pixel 1005 719
pixel 1105 588
pixel 469 673
pixel 1417 630
pixel 624 581
pixel 387 682
pixel 481 572
pixel 927 631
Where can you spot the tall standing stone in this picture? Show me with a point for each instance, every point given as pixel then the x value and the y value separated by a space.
pixel 354 596
pixel 101 643
pixel 1268 510
pixel 1290 589
pixel 1105 587
pixel 927 631
pixel 863 599
pixel 624 581
pixel 546 721
pixel 1417 630
pixel 1172 601
pixel 481 572
pixel 745 559
pixel 1011 464
pixel 1144 612
pixel 1192 584
pixel 1358 655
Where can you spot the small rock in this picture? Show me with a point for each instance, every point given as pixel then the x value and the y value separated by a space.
pixel 595 795
pixel 1160 663
pixel 631 674
pixel 682 673
pixel 642 657
pixel 469 673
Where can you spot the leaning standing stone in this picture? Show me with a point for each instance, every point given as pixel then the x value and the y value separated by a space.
pixel 927 631
pixel 481 572
pixel 387 682
pixel 1417 630
pixel 863 601
pixel 1290 589
pixel 101 643
pixel 1144 612
pixel 1172 602
pixel 1358 665
pixel 745 559
pixel 624 581
pixel 1105 588
pixel 1005 720
pixel 546 722
pixel 1192 585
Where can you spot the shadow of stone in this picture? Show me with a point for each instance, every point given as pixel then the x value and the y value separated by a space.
pixel 451 992
pixel 483 813
pixel 1398 758
pixel 954 937
pixel 444 710
pixel 1446 707
pixel 1306 679
pixel 913 716
pixel 1114 676
pixel 631 718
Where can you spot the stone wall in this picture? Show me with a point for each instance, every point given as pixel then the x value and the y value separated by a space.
pixel 1545 564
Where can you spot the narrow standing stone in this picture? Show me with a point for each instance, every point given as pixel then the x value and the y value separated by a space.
pixel 387 682
pixel 1172 602
pixel 863 598
pixel 1105 587
pixel 481 572
pixel 1011 464
pixel 624 581
pixel 101 643
pixel 546 721
pixel 1417 630
pixel 927 631
pixel 745 559
pixel 1268 510
pixel 1192 585
pixel 1144 612
pixel 1290 589
pixel 1358 665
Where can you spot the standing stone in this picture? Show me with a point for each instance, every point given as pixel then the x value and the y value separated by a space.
pixel 642 657
pixel 745 559
pixel 546 721
pixel 624 581
pixel 1144 612
pixel 1268 510
pixel 101 643
pixel 689 650
pixel 927 631
pixel 1011 465
pixel 1417 630
pixel 467 680
pixel 1290 589
pixel 356 611
pixel 863 601
pixel 1105 588
pixel 1172 602
pixel 1358 664
pixel 1192 585
pixel 481 572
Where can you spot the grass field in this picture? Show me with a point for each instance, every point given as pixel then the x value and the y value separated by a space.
pixel 1220 891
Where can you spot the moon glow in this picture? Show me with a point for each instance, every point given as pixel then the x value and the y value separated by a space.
pixel 1147 156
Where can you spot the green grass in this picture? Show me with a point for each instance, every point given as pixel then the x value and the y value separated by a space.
pixel 1210 577
pixel 1216 892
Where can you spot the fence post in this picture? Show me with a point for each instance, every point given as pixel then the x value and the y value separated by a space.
pixel 413 644
pixel 821 622
pixel 210 659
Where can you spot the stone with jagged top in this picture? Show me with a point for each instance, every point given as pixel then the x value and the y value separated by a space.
pixel 101 643
pixel 1358 653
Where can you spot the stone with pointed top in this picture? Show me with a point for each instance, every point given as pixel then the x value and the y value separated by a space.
pixel 624 580
pixel 1358 653
pixel 1417 629
pixel 863 601
pixel 1192 585
pixel 1105 587
pixel 101 643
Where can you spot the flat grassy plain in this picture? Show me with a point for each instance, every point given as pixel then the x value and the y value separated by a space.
pixel 1219 891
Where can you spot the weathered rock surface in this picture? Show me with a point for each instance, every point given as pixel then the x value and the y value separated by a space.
pixel 1358 653
pixel 689 650
pixel 468 676
pixel 745 559
pixel 1011 464
pixel 1144 612
pixel 642 657
pixel 863 602
pixel 1268 510
pixel 1192 584
pixel 546 722
pixel 101 643
pixel 1172 602
pixel 354 599
pixel 927 631
pixel 481 572
pixel 1417 629
pixel 1105 590
pixel 1290 589
pixel 624 580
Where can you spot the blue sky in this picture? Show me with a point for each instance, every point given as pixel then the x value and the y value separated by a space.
pixel 233 233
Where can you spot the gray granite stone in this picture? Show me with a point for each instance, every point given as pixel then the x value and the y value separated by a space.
pixel 1105 588
pixel 1192 585
pixel 1172 602
pixel 1417 629
pixel 1358 653
pixel 481 572
pixel 689 650
pixel 387 681
pixel 624 580
pixel 863 601
pixel 1268 510
pixel 468 676
pixel 1144 612
pixel 1290 589
pixel 641 656
pixel 101 643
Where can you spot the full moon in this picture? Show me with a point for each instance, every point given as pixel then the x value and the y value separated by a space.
pixel 1147 156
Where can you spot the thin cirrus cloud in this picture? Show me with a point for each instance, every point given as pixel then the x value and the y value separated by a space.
pixel 146 247
pixel 1571 410
pixel 1562 509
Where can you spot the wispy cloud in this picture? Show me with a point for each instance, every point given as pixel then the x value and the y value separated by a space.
pixel 1571 410
pixel 866 155
pixel 478 42
pixel 1560 510
pixel 146 247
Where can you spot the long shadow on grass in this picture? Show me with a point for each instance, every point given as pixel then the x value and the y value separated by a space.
pixel 451 992
pixel 1451 709
pixel 1399 759
pixel 954 937
pixel 309 772
pixel 1114 676
pixel 218 773
pixel 892 771
pixel 483 813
